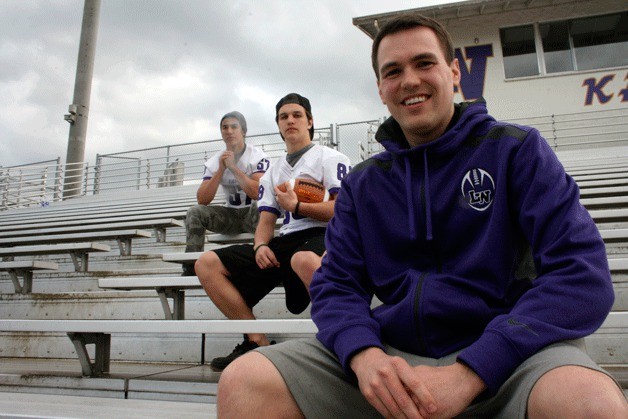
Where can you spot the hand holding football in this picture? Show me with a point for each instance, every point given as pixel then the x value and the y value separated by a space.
pixel 307 190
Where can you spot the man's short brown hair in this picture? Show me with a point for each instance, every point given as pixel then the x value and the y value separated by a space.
pixel 410 21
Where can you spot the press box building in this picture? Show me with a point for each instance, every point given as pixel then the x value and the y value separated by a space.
pixel 559 65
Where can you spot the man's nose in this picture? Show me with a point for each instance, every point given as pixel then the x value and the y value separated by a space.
pixel 410 79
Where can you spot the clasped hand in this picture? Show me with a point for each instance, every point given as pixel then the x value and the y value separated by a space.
pixel 227 159
pixel 399 390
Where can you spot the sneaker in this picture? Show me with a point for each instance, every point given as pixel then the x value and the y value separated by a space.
pixel 219 364
pixel 188 269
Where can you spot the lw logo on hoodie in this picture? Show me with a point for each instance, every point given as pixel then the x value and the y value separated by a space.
pixel 478 189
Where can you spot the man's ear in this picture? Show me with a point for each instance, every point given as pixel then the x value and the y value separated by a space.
pixel 379 91
pixel 455 71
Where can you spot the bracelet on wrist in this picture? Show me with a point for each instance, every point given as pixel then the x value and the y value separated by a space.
pixel 296 208
pixel 256 248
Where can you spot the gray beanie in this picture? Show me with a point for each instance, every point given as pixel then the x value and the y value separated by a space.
pixel 237 115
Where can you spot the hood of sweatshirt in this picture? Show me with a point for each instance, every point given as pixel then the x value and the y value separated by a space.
pixel 391 137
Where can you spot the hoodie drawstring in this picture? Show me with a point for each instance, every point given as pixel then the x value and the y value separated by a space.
pixel 410 196
pixel 428 201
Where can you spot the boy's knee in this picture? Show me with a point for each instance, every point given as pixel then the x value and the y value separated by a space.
pixel 304 264
pixel 305 261
pixel 205 264
pixel 192 212
pixel 297 260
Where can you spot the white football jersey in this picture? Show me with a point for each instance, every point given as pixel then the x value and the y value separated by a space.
pixel 319 163
pixel 253 160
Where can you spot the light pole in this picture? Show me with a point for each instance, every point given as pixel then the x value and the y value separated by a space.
pixel 79 109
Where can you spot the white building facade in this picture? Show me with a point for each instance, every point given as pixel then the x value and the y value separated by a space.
pixel 536 58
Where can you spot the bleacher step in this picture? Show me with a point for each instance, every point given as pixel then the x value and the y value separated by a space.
pixel 191 382
pixel 28 405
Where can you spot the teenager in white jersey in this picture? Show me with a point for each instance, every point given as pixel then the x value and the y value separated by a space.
pixel 236 278
pixel 238 170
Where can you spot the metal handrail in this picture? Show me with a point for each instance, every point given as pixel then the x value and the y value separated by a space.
pixel 156 167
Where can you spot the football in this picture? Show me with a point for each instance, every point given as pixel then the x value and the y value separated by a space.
pixel 307 190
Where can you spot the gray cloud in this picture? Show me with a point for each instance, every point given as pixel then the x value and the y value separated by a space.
pixel 166 71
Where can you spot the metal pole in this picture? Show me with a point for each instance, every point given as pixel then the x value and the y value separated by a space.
pixel 57 187
pixel 79 109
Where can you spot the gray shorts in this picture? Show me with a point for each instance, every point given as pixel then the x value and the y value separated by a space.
pixel 322 389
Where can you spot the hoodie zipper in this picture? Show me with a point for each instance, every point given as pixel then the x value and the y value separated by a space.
pixel 417 313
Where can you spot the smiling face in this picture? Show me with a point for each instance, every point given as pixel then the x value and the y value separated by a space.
pixel 416 83
pixel 232 134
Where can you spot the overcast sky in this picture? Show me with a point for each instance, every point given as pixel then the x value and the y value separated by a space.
pixel 166 71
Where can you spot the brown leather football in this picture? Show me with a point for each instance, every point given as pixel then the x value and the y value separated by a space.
pixel 307 190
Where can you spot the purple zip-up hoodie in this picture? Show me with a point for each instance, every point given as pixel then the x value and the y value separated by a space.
pixel 476 241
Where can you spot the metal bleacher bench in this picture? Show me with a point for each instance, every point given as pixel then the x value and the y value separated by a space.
pixel 63 222
pixel 25 268
pixel 159 225
pixel 166 287
pixel 78 251
pixel 604 191
pixel 85 210
pixel 123 237
pixel 58 217
pixel 98 332
pixel 609 215
pixel 619 235
pixel 230 238
pixel 174 286
pixel 606 202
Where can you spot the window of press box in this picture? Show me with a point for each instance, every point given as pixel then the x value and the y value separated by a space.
pixel 519 51
pixel 570 45
pixel 556 47
pixel 601 41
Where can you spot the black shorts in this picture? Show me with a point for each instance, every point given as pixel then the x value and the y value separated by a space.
pixel 255 283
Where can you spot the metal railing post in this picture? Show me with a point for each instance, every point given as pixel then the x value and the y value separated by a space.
pixel 42 188
pixel 554 132
pixel 86 178
pixel 57 183
pixel 97 174
pixel 147 173
pixel 4 184
pixel 18 198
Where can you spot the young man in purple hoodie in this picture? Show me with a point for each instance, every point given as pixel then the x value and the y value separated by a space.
pixel 489 270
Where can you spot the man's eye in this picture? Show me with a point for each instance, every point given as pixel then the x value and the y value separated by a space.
pixel 391 73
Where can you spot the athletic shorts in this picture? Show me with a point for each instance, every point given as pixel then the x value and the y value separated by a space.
pixel 255 283
pixel 322 389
